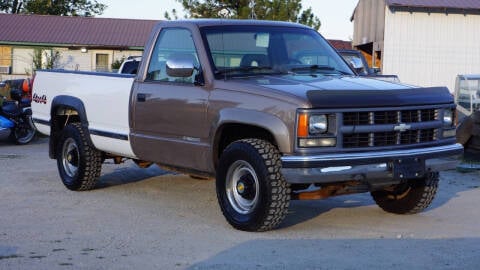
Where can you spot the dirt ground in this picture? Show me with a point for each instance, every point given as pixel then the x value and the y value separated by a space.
pixel 151 219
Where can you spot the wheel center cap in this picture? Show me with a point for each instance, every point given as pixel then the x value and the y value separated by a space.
pixel 240 187
pixel 69 157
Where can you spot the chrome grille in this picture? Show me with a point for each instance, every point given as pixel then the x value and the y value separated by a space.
pixel 389 117
pixel 391 137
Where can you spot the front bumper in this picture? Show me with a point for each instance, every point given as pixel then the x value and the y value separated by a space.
pixel 365 166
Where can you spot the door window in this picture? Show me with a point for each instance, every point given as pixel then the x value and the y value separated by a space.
pixel 172 44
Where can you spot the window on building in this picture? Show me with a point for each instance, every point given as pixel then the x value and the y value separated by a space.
pixel 101 62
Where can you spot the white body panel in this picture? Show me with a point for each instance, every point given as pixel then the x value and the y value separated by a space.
pixel 431 49
pixel 106 100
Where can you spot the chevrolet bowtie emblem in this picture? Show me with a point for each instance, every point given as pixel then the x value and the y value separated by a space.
pixel 402 127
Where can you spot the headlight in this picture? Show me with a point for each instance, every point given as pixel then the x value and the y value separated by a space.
pixel 313 130
pixel 448 117
pixel 317 124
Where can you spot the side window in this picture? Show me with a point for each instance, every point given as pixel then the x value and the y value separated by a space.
pixel 172 43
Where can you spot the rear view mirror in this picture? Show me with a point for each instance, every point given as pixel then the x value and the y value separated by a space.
pixel 180 65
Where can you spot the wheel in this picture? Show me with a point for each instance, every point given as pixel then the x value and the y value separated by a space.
pixel 408 198
pixel 79 162
pixel 251 191
pixel 24 131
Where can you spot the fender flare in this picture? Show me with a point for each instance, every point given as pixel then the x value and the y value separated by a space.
pixel 263 120
pixel 70 102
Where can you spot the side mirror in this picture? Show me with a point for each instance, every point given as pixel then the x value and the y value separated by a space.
pixel 376 70
pixel 180 65
pixel 357 64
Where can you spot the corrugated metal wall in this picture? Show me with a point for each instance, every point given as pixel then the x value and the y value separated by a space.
pixel 431 49
pixel 368 22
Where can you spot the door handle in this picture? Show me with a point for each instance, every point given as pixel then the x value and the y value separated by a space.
pixel 141 97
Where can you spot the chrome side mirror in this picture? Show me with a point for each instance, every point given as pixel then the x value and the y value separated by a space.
pixel 356 64
pixel 180 65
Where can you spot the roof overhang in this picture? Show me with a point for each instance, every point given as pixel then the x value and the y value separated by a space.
pixel 70 46
pixel 439 6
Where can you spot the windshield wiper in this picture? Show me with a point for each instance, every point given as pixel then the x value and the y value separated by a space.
pixel 317 67
pixel 243 69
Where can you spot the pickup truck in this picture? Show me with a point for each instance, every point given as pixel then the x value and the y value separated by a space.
pixel 357 60
pixel 268 109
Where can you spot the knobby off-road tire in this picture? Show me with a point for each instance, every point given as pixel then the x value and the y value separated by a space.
pixel 408 198
pixel 251 191
pixel 79 162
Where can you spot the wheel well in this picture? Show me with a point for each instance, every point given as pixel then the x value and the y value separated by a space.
pixel 229 133
pixel 61 116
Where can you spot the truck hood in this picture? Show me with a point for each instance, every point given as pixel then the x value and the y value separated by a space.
pixel 349 92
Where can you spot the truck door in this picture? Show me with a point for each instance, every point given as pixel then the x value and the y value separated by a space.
pixel 169 113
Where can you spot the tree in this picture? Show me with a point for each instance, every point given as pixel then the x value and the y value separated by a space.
pixel 277 10
pixel 45 58
pixel 85 8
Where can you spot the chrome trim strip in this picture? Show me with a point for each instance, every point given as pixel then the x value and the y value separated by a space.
pixel 452 149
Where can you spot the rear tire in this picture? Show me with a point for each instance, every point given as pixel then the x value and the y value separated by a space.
pixel 251 191
pixel 408 198
pixel 24 131
pixel 79 162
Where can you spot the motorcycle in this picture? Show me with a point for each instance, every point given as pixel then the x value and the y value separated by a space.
pixel 16 118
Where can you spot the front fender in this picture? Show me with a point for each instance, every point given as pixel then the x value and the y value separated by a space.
pixel 269 122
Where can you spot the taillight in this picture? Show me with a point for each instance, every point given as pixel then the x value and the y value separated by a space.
pixel 26 86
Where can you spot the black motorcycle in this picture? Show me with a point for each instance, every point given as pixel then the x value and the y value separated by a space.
pixel 16 118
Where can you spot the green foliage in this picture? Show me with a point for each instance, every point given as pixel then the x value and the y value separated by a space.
pixel 117 63
pixel 276 10
pixel 85 8
pixel 42 59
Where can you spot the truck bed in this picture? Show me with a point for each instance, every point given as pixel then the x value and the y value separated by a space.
pixel 104 95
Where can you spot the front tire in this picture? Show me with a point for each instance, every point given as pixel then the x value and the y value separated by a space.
pixel 410 197
pixel 79 162
pixel 251 191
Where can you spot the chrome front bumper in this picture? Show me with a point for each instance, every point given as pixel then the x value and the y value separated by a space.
pixel 366 166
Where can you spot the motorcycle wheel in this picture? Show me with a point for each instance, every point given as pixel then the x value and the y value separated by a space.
pixel 24 132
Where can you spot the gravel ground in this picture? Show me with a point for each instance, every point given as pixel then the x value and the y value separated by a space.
pixel 151 219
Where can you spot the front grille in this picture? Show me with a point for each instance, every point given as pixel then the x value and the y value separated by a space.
pixel 377 121
pixel 389 138
pixel 389 117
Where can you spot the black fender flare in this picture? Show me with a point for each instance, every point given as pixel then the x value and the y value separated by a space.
pixel 64 101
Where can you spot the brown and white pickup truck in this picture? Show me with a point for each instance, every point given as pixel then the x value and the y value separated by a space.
pixel 267 108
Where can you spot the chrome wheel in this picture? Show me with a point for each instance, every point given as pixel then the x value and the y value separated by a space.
pixel 242 187
pixel 70 157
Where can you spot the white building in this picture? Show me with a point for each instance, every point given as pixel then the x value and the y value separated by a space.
pixel 424 42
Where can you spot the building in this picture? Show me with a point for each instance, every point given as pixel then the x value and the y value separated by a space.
pixel 74 43
pixel 341 44
pixel 424 42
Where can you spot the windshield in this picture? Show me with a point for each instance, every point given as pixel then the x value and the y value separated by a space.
pixel 256 50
